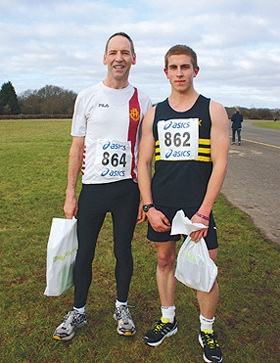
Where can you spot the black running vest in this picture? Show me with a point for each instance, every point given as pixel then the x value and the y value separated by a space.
pixel 183 183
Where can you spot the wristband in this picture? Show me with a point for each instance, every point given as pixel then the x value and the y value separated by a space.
pixel 202 216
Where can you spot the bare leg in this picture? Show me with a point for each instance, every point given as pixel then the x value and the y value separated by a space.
pixel 208 301
pixel 165 272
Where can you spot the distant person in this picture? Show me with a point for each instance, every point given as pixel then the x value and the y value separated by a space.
pixel 105 130
pixel 188 134
pixel 274 119
pixel 236 126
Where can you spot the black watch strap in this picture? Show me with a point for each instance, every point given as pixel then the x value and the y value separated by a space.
pixel 146 207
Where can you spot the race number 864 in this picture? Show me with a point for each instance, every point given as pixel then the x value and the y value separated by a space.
pixel 114 160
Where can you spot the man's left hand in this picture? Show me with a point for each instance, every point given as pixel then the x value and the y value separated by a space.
pixel 197 235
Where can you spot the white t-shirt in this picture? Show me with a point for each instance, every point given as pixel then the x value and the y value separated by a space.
pixel 105 117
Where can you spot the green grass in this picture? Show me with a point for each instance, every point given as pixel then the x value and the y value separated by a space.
pixel 33 169
pixel 268 124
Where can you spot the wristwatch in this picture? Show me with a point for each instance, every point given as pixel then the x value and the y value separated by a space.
pixel 146 207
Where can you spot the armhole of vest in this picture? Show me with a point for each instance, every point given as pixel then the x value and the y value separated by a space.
pixel 154 125
pixel 209 113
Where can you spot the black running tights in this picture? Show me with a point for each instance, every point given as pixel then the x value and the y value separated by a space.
pixel 121 199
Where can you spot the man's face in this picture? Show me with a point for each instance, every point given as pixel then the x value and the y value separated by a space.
pixel 180 72
pixel 119 58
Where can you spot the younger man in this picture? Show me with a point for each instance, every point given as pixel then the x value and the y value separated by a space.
pixel 189 135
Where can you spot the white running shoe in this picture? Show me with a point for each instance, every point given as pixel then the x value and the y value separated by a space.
pixel 125 323
pixel 66 330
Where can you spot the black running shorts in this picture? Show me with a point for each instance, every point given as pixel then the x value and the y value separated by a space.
pixel 169 212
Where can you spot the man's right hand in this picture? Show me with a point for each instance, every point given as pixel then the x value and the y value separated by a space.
pixel 70 207
pixel 158 220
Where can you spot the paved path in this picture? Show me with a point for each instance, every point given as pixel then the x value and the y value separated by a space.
pixel 253 179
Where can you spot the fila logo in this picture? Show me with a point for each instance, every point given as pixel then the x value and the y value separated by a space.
pixel 104 106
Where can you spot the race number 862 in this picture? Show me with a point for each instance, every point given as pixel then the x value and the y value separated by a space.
pixel 177 140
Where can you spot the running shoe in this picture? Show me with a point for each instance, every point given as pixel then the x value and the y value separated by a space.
pixel 66 330
pixel 212 351
pixel 125 323
pixel 161 330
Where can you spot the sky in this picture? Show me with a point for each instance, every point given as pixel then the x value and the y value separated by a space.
pixel 61 43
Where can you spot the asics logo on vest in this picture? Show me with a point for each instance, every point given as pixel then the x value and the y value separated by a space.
pixel 176 125
pixel 178 154
pixel 113 146
pixel 113 172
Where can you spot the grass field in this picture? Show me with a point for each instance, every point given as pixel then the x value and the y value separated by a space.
pixel 33 169
pixel 269 124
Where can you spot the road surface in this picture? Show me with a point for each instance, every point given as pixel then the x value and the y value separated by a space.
pixel 253 178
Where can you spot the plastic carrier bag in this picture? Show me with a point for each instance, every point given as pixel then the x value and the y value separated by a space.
pixel 194 266
pixel 61 254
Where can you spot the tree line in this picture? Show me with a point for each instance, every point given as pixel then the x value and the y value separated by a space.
pixel 255 113
pixel 53 101
pixel 49 101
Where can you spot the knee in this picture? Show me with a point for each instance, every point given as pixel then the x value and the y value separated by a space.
pixel 123 254
pixel 166 260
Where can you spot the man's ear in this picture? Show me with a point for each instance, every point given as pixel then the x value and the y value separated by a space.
pixel 105 59
pixel 134 59
pixel 196 71
pixel 166 73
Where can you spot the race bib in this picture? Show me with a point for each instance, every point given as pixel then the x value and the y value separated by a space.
pixel 178 139
pixel 113 159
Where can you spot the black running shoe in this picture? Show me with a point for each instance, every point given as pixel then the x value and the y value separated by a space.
pixel 212 351
pixel 161 330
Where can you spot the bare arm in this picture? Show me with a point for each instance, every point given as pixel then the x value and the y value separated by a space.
pixel 219 155
pixel 157 219
pixel 74 167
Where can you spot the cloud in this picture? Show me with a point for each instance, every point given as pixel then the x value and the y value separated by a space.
pixel 62 43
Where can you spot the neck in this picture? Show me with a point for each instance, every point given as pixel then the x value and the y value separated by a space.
pixel 182 101
pixel 112 83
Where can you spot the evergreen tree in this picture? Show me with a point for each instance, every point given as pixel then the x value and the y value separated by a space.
pixel 8 100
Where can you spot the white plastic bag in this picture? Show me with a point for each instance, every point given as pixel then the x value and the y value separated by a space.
pixel 61 254
pixel 194 266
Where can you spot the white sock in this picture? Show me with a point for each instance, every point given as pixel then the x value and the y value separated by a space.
pixel 81 310
pixel 206 324
pixel 119 303
pixel 168 312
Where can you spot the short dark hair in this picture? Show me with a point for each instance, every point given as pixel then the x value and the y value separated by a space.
pixel 181 49
pixel 123 35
